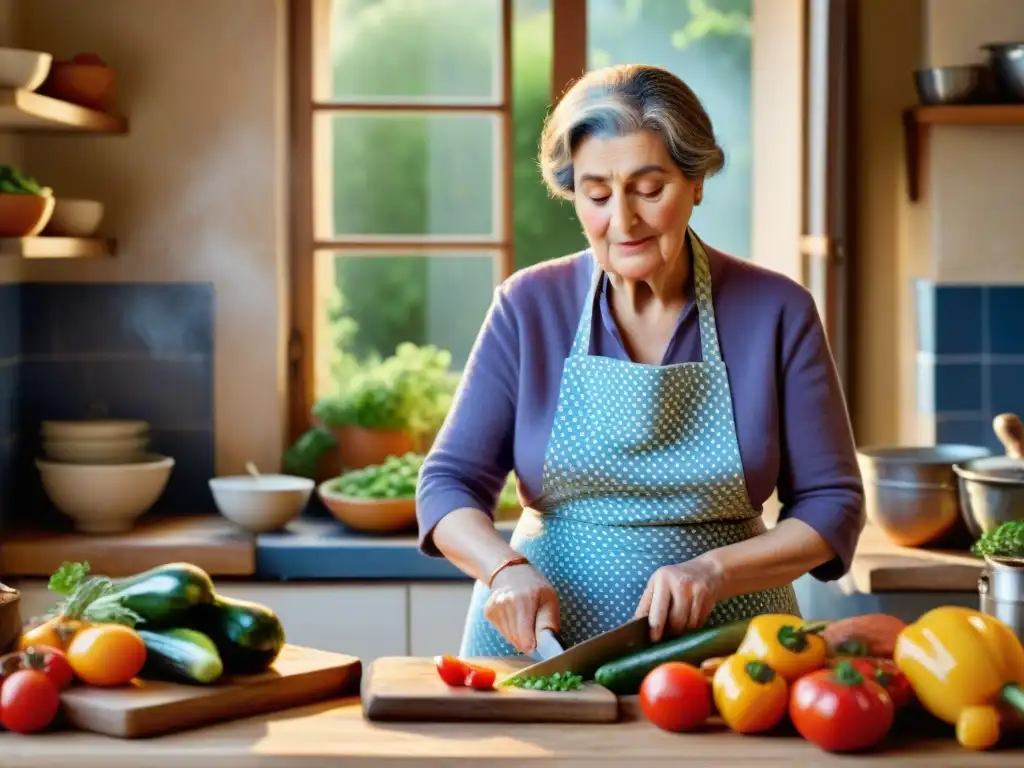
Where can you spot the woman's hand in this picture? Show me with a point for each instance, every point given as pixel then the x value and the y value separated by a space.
pixel 522 603
pixel 680 597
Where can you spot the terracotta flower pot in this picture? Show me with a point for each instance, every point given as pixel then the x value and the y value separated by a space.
pixel 10 619
pixel 359 447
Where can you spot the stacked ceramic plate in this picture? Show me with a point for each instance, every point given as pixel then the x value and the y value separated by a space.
pixel 100 473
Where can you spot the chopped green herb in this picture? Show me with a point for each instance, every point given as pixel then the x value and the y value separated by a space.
pixel 560 681
pixel 1005 541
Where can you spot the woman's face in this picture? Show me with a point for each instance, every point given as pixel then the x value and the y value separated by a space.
pixel 634 203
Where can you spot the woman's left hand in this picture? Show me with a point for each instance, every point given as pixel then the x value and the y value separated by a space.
pixel 680 597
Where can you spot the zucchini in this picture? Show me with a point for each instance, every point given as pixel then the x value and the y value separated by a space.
pixel 182 655
pixel 623 676
pixel 161 597
pixel 248 636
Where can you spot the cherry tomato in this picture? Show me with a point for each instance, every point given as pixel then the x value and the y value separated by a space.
pixel 452 670
pixel 51 662
pixel 676 696
pixel 481 678
pixel 839 709
pixel 28 701
pixel 107 654
pixel 886 674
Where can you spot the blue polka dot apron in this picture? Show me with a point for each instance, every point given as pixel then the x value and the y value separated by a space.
pixel 642 470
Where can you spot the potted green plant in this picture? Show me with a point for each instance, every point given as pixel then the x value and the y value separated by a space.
pixel 384 407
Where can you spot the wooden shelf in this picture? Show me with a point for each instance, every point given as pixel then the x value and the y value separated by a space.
pixel 32 112
pixel 918 120
pixel 58 247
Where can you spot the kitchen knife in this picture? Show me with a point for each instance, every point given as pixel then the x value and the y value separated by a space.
pixel 584 658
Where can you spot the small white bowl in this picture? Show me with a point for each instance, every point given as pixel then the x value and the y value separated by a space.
pixel 74 218
pixel 23 70
pixel 105 498
pixel 115 450
pixel 93 429
pixel 261 504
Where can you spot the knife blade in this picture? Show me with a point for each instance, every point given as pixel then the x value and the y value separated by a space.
pixel 585 658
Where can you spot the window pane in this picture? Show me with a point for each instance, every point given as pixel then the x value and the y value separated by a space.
pixel 368 304
pixel 706 43
pixel 545 227
pixel 407 174
pixel 415 50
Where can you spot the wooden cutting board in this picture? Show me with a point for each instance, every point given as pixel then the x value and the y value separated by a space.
pixel 408 688
pixel 147 708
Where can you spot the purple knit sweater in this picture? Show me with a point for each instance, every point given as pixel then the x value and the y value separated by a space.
pixel 791 419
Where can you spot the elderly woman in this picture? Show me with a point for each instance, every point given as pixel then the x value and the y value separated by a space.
pixel 650 393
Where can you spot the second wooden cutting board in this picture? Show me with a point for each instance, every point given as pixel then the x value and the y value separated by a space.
pixel 147 708
pixel 408 688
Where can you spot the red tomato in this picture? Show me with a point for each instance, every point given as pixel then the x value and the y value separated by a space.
pixel 481 678
pixel 839 709
pixel 452 670
pixel 886 674
pixel 676 697
pixel 28 701
pixel 50 661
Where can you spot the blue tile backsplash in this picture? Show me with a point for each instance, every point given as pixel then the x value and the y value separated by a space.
pixel 970 358
pixel 123 350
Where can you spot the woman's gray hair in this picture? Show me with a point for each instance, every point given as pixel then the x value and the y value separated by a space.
pixel 624 99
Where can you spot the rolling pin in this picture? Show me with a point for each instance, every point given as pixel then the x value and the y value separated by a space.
pixel 1010 432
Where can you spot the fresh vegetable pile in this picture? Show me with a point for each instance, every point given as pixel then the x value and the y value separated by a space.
pixel 841 684
pixel 395 478
pixel 165 623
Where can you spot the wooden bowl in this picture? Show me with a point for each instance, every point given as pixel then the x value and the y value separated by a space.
pixel 24 215
pixel 370 515
pixel 10 619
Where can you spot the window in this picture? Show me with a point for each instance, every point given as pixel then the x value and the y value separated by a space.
pixel 415 128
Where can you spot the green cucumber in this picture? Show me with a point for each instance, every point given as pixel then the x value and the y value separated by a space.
pixel 623 676
pixel 182 655
pixel 249 636
pixel 161 597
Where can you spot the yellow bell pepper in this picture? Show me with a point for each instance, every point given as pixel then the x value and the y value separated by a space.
pixel 967 668
pixel 785 643
pixel 749 695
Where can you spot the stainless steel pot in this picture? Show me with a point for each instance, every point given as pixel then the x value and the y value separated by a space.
pixel 911 492
pixel 991 492
pixel 1001 592
pixel 1007 62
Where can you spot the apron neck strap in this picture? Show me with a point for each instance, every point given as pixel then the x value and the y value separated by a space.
pixel 710 350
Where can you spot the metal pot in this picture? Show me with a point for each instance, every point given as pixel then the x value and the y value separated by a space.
pixel 1001 592
pixel 1007 62
pixel 991 492
pixel 911 493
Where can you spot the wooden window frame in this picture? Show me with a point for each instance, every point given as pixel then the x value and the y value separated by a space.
pixel 305 40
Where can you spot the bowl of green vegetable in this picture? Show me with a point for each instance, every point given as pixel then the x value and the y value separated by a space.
pixel 380 498
pixel 25 205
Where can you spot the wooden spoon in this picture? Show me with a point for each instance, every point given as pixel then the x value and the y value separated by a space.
pixel 1010 431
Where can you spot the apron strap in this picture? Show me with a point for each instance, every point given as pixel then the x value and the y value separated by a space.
pixel 709 348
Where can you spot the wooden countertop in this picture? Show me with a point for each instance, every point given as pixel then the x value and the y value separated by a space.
pixel 879 565
pixel 209 541
pixel 335 733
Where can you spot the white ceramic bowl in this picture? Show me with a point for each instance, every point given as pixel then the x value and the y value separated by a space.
pixel 93 429
pixel 114 450
pixel 261 504
pixel 74 218
pixel 21 69
pixel 105 498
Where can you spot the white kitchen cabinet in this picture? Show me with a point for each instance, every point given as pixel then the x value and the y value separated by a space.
pixel 437 613
pixel 364 620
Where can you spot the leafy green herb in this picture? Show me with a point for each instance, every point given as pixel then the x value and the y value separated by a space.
pixel 395 478
pixel 558 682
pixel 1005 541
pixel 14 182
pixel 67 577
pixel 83 596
